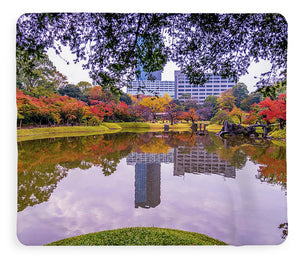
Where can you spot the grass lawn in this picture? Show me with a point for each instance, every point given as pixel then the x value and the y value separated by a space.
pixel 215 128
pixel 178 127
pixel 104 128
pixel 46 132
pixel 140 236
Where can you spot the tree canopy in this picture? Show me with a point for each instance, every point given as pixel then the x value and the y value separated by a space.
pixel 114 46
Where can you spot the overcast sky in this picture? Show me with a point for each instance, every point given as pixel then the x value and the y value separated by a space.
pixel 75 73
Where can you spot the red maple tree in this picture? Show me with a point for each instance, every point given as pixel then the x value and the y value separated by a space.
pixel 274 109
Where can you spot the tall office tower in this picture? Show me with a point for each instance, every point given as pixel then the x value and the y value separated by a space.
pixel 214 86
pixel 147 185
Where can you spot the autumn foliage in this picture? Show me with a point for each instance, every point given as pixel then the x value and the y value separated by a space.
pixel 58 109
pixel 274 109
pixel 268 111
pixel 103 106
pixel 189 115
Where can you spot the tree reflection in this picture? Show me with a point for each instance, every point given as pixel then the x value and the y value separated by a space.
pixel 43 163
pixel 272 160
pixel 284 227
pixel 229 149
pixel 35 186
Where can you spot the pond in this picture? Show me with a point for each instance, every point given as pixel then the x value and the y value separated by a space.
pixel 230 189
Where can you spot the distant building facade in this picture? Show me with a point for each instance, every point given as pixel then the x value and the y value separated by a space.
pixel 148 87
pixel 213 87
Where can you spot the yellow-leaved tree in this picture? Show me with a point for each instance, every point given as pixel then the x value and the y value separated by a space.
pixel 226 100
pixel 238 113
pixel 156 104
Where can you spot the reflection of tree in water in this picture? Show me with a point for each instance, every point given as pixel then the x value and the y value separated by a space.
pixel 272 162
pixel 238 159
pixel 43 163
pixel 108 153
pixel 35 186
pixel 228 150
pixel 108 167
pixel 284 227
pixel 271 156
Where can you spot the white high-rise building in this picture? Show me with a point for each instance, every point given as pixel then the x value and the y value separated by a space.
pixel 214 86
pixel 148 87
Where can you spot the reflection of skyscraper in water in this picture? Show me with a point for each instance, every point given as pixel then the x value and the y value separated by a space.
pixel 147 176
pixel 135 157
pixel 199 161
pixel 147 185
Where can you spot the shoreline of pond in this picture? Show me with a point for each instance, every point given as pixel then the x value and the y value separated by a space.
pixel 105 128
pixel 109 128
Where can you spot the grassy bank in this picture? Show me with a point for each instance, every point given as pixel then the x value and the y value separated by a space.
pixel 175 127
pixel 104 128
pixel 278 133
pixel 40 133
pixel 215 128
pixel 140 236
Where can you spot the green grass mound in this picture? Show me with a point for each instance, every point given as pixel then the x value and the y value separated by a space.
pixel 140 236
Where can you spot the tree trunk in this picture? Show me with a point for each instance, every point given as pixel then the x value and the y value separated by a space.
pixel 281 123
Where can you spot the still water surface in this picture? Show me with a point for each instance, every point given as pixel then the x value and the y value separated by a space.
pixel 233 190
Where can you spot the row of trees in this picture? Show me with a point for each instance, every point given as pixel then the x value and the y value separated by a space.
pixel 234 105
pixel 44 96
pixel 57 109
pixel 101 106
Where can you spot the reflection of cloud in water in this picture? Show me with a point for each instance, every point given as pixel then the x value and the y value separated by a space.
pixel 209 204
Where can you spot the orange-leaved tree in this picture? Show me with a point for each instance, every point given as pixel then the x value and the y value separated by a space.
pixel 95 95
pixel 189 115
